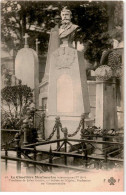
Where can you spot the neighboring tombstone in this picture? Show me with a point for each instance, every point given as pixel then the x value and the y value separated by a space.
pixel 106 90
pixel 106 110
pixel 106 93
pixel 27 68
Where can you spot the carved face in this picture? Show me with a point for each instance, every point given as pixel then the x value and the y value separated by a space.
pixel 66 16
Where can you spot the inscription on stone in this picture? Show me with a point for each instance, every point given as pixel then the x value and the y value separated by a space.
pixel 64 94
pixel 64 57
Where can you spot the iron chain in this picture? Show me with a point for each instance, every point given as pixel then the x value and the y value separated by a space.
pixel 51 135
pixel 77 130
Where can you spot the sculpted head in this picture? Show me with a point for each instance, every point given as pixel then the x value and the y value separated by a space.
pixel 66 15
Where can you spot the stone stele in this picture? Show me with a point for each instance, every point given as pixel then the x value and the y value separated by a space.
pixel 26 69
pixel 68 91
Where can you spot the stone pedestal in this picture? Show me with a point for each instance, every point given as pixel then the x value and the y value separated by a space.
pixel 70 122
pixel 106 109
pixel 67 91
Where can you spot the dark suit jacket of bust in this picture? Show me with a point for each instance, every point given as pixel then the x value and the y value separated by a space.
pixel 67 31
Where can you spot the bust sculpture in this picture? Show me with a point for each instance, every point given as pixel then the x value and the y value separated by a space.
pixel 67 29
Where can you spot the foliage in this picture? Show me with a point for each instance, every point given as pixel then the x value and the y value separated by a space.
pixel 94 18
pixel 7 75
pixel 15 102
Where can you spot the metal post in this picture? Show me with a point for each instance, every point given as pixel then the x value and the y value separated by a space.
pixel 106 159
pixel 6 154
pixel 25 127
pixel 43 126
pixel 50 158
pixel 83 121
pixel 82 125
pixel 85 154
pixel 18 149
pixel 33 116
pixel 86 157
pixel 65 143
pixel 58 130
pixel 34 159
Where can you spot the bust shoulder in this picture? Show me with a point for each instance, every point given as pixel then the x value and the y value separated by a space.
pixel 75 26
pixel 67 30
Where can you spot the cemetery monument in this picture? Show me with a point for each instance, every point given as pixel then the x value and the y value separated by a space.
pixel 27 68
pixel 67 94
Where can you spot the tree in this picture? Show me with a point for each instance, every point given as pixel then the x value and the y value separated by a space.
pixel 15 103
pixel 18 17
pixel 37 18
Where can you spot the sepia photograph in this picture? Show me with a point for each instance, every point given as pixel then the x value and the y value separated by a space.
pixel 62 96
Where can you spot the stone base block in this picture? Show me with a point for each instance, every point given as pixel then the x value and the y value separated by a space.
pixel 71 123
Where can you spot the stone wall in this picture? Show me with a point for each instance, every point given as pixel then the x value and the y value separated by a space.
pixel 92 97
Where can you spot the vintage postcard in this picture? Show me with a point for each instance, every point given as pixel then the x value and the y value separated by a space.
pixel 62 81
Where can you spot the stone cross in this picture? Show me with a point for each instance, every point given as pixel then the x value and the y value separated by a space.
pixel 37 43
pixel 26 40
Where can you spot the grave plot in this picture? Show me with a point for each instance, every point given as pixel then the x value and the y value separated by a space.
pixel 96 149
